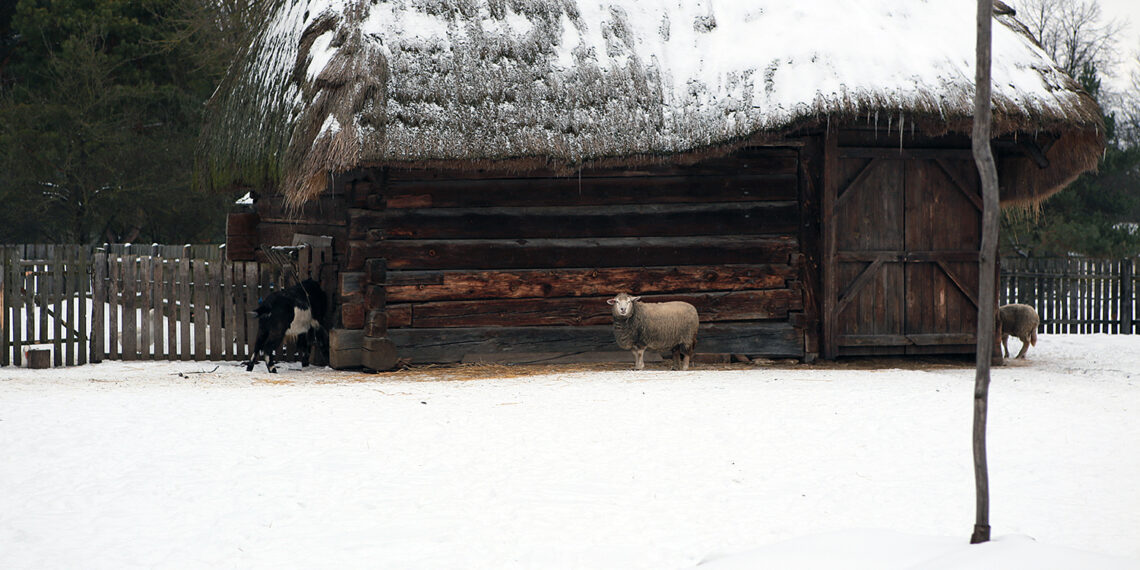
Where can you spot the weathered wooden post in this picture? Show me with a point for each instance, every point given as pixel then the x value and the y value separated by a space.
pixel 1127 302
pixel 983 156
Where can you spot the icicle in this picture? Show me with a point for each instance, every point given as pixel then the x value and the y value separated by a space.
pixel 890 119
pixel 902 130
pixel 876 124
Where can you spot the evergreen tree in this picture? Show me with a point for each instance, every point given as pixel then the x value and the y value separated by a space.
pixel 100 106
pixel 1097 214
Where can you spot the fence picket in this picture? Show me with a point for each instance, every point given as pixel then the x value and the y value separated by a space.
pixel 215 292
pixel 198 316
pixel 184 305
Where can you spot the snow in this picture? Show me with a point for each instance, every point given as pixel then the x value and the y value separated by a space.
pixel 735 67
pixel 854 464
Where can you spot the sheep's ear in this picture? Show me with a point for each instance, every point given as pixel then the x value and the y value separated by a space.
pixel 632 299
pixel 610 301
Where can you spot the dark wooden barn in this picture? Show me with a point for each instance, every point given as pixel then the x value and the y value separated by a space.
pixel 489 177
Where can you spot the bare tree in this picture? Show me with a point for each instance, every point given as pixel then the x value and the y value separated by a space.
pixel 1075 34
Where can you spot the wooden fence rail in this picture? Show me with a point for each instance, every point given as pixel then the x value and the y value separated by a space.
pixel 1074 295
pixel 138 303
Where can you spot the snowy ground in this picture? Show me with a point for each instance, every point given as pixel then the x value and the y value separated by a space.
pixel 173 465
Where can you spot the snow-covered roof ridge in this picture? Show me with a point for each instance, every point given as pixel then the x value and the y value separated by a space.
pixel 330 84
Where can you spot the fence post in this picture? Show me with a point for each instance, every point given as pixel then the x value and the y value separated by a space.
pixel 5 353
pixel 1127 300
pixel 98 307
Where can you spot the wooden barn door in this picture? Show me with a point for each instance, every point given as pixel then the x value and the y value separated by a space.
pixel 902 233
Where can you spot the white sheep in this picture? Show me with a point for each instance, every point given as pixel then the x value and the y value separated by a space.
pixel 1020 321
pixel 655 326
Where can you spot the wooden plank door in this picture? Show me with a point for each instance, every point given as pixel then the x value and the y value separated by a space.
pixel 902 232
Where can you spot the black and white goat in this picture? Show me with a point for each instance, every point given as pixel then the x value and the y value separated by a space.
pixel 292 315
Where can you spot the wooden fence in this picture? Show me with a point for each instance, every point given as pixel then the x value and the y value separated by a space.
pixel 1074 295
pixel 138 302
pixel 133 302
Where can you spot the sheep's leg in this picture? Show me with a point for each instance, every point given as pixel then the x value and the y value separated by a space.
pixel 1005 344
pixel 677 357
pixel 639 358
pixel 1024 347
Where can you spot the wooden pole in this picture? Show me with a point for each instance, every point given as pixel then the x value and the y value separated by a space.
pixel 983 156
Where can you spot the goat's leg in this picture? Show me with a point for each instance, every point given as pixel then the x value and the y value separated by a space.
pixel 303 348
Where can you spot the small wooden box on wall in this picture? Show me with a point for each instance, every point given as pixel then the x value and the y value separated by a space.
pixel 241 236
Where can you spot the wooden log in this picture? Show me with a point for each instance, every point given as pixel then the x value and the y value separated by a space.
pixel 398 316
pixel 376 323
pixel 747 218
pixel 579 311
pixel 353 315
pixel 346 348
pixel 351 286
pixel 565 253
pixel 409 286
pixel 772 339
pixel 376 271
pixel 378 353
pixel 418 191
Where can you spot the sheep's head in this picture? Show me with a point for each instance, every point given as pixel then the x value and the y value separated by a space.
pixel 623 305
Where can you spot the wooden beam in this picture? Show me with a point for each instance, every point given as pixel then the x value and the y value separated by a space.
pixel 961 185
pixel 578 311
pixel 830 263
pixel 776 339
pixel 743 185
pixel 412 286
pixel 742 218
pixel 896 153
pixel 845 193
pixel 566 253
pixel 857 285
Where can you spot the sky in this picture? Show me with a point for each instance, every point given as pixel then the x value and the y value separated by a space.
pixel 1130 38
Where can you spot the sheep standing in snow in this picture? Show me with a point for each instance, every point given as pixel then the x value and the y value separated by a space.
pixel 655 326
pixel 1020 321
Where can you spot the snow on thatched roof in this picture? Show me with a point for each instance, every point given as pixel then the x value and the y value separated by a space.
pixel 329 85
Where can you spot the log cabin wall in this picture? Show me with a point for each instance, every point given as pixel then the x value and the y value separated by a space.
pixel 461 265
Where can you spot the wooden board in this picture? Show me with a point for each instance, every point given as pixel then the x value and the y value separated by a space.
pixel 775 339
pixel 578 311
pixel 746 218
pixel 741 186
pixel 409 286
pixel 601 252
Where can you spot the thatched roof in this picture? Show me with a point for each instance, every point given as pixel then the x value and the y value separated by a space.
pixel 329 85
